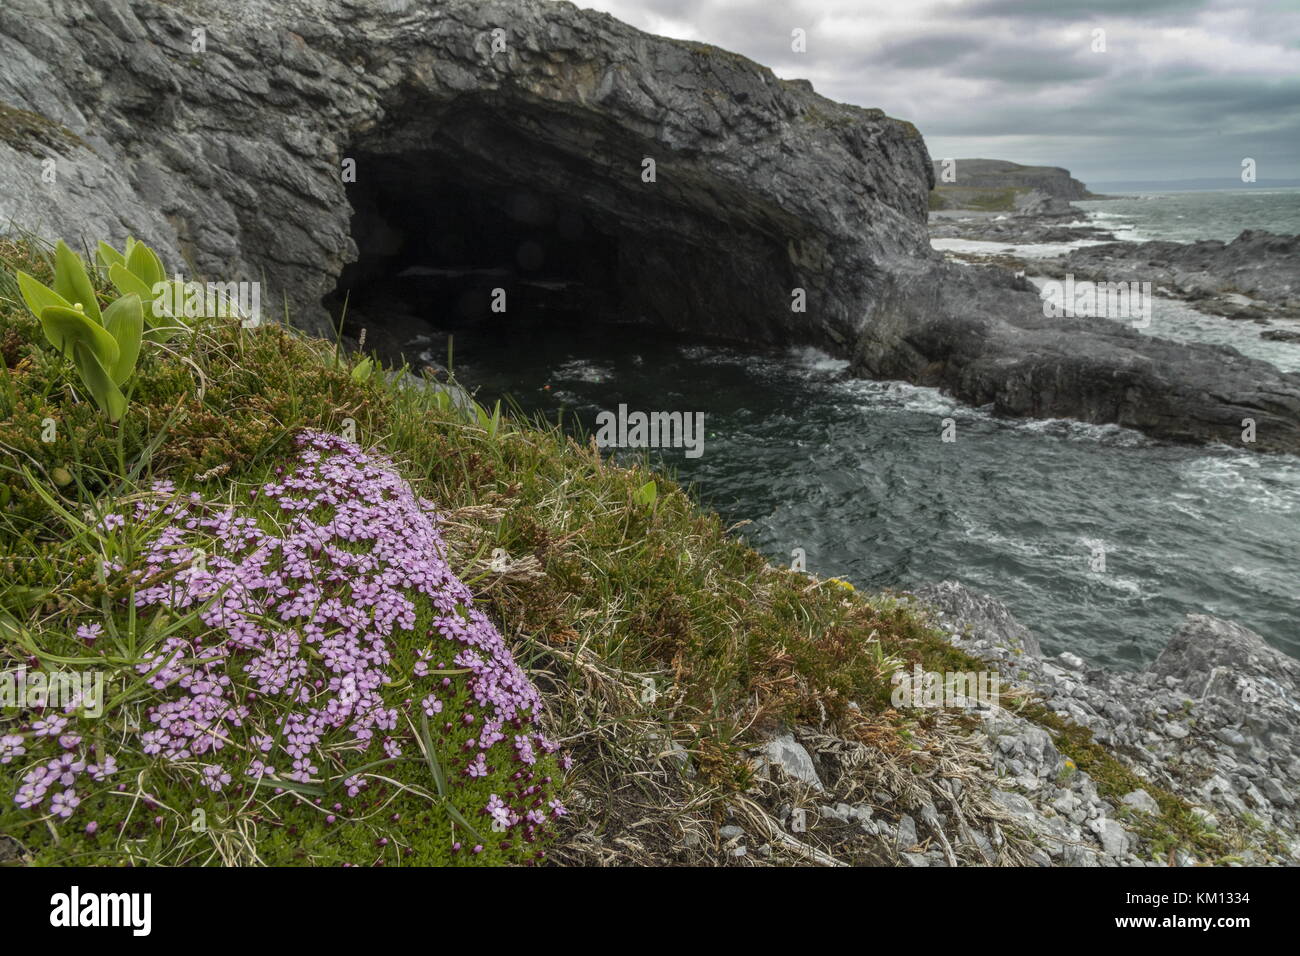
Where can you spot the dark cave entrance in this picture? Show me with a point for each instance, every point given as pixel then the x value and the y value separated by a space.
pixel 439 250
pixel 459 204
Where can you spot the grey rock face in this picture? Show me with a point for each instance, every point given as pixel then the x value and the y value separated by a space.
pixel 1206 650
pixel 1215 720
pixel 906 833
pixel 1141 800
pixel 969 331
pixel 1256 275
pixel 1038 203
pixel 231 160
pixel 986 618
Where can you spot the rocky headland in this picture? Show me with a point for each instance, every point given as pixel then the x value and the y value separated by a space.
pixel 996 185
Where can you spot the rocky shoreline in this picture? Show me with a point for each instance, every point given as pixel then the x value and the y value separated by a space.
pixel 1256 276
pixel 1215 719
pixel 1015 229
pixel 1206 737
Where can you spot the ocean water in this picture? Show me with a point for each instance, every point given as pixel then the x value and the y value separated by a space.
pixel 1188 216
pixel 854 473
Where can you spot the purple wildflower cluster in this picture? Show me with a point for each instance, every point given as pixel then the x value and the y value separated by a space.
pixel 309 615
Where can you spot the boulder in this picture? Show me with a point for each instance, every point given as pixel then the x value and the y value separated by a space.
pixel 980 617
pixel 793 760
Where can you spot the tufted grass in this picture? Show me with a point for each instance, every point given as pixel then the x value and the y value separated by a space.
pixel 663 645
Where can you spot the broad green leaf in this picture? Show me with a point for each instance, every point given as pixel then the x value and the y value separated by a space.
pixel 361 372
pixel 107 395
pixel 144 262
pixel 71 281
pixel 108 256
pixel 68 328
pixel 124 320
pixel 38 295
pixel 128 283
pixel 165 322
pixel 647 494
pixel 162 325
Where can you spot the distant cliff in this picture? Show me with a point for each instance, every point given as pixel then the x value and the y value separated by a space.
pixel 997 185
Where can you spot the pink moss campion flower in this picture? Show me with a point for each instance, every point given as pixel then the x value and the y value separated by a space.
pixel 50 727
pixel 62 804
pixel 215 777
pixel 301 635
pixel 104 769
pixel 111 521
pixel 11 746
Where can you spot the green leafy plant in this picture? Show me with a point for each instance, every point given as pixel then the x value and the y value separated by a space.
pixel 137 270
pixel 362 371
pixel 103 345
pixel 646 495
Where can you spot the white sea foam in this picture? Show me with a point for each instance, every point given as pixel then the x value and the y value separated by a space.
pixel 1026 250
pixel 1271 483
pixel 579 370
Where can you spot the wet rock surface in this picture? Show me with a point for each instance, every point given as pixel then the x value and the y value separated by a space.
pixel 1017 228
pixel 1256 275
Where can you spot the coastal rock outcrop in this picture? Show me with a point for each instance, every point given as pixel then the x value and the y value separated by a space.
pixel 472 136
pixel 996 184
pixel 1256 275
pixel 1212 720
pixel 320 146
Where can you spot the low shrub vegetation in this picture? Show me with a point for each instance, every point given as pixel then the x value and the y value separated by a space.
pixel 345 616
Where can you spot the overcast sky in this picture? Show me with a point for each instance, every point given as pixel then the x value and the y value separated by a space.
pixel 1184 88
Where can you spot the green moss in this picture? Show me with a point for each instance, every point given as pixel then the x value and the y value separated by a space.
pixel 974 197
pixel 32 133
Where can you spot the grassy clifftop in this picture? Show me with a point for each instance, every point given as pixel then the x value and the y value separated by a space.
pixel 634 613
pixel 342 618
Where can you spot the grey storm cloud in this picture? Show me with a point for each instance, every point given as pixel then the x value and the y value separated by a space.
pixel 1170 89
pixel 1057 10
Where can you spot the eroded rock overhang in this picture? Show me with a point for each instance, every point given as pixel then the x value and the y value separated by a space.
pixel 231 159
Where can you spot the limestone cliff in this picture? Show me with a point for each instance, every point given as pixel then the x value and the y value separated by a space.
pixel 227 135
